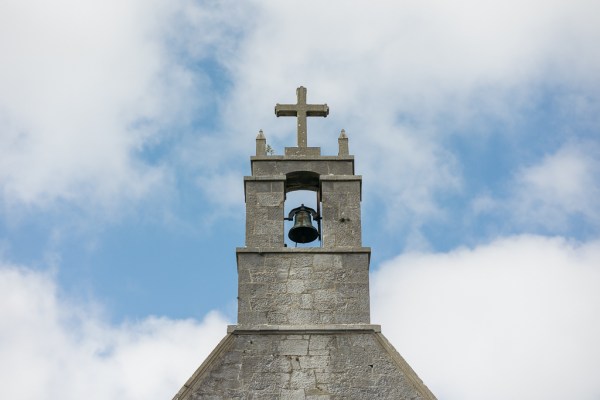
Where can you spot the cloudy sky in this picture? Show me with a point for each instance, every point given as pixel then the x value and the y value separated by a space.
pixel 125 131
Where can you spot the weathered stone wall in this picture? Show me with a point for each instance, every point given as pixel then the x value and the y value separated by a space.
pixel 264 211
pixel 341 224
pixel 312 366
pixel 303 286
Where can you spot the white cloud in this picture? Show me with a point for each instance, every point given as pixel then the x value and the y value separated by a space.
pixel 518 318
pixel 54 348
pixel 86 86
pixel 401 76
pixel 564 184
pixel 558 193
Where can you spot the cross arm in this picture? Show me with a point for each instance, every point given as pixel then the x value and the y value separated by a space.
pixel 317 110
pixel 286 110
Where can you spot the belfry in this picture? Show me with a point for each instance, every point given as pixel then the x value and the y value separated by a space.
pixel 303 329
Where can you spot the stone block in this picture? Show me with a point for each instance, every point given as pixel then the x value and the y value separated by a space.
pixel 306 301
pixel 313 362
pixel 302 151
pixel 297 316
pixel 255 317
pixel 296 286
pixel 317 396
pixel 319 342
pixel 269 199
pixel 293 347
pixel 292 394
pixel 301 260
pixel 300 272
pixel 258 187
pixel 264 167
pixel 276 318
pixel 301 379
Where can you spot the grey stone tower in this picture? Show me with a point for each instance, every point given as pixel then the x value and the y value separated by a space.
pixel 304 328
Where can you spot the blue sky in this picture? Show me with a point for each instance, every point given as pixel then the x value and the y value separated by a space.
pixel 126 129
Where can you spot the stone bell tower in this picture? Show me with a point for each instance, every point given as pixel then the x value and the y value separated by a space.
pixel 304 329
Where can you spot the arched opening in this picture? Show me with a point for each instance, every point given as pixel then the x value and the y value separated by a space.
pixel 301 188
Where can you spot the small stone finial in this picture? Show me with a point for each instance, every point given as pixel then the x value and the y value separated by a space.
pixel 261 144
pixel 343 144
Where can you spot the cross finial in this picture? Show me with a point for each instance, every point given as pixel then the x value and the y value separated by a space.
pixel 301 110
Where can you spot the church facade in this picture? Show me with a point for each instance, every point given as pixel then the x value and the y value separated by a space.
pixel 304 329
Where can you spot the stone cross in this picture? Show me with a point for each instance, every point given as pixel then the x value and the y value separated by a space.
pixel 301 110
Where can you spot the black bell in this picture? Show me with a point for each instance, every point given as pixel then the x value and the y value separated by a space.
pixel 303 230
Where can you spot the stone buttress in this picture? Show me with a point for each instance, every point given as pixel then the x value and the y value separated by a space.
pixel 304 328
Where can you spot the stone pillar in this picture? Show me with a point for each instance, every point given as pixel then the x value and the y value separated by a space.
pixel 264 211
pixel 340 197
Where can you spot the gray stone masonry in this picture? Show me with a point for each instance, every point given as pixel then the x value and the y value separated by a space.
pixel 340 196
pixel 292 286
pixel 282 165
pixel 264 211
pixel 356 363
pixel 341 210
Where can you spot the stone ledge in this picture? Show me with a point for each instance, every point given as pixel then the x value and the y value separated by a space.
pixel 302 329
pixel 309 250
pixel 267 178
pixel 305 158
pixel 340 177
pixel 283 177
